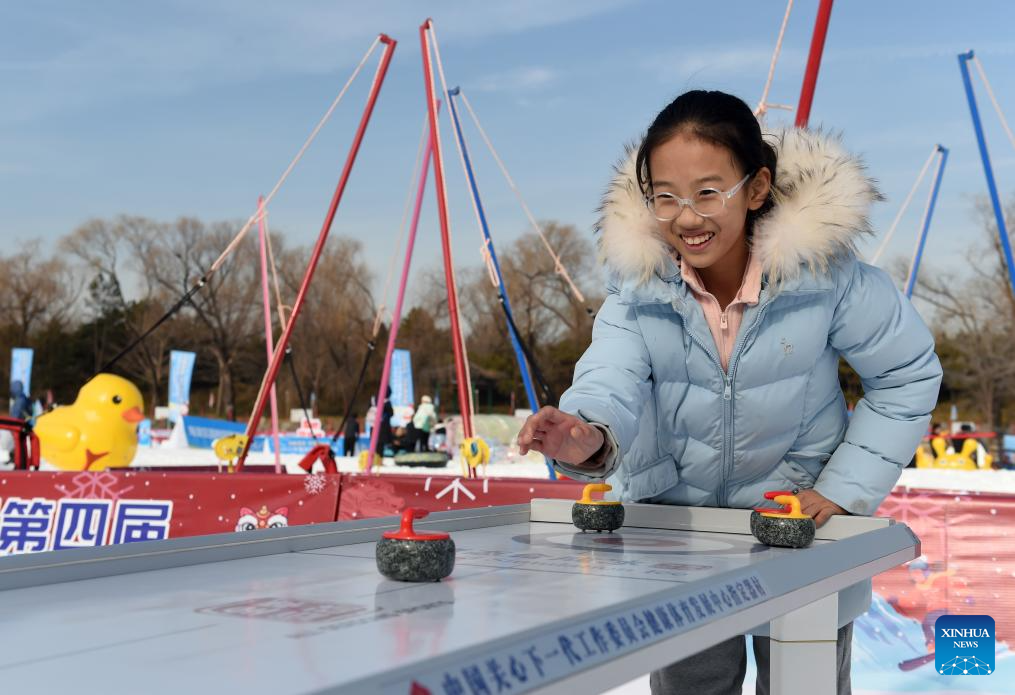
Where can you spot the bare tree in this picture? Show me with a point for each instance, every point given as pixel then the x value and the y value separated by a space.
pixel 976 323
pixel 336 322
pixel 544 307
pixel 177 257
pixel 99 245
pixel 35 289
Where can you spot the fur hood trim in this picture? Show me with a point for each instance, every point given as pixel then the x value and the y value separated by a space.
pixel 822 201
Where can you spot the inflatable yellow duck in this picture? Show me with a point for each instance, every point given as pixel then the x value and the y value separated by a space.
pixel 97 431
pixel 962 460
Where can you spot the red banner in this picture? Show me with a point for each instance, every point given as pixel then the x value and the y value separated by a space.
pixel 53 510
pixel 382 495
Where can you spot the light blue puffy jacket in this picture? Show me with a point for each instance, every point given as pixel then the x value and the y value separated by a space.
pixel 689 433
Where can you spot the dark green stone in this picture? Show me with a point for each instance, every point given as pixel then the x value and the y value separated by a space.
pixel 415 561
pixel 597 517
pixel 782 532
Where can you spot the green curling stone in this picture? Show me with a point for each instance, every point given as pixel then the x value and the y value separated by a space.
pixel 407 556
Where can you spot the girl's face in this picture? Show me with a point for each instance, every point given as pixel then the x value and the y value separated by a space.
pixel 683 166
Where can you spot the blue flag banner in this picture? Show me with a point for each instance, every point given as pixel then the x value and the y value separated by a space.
pixel 202 431
pixel 181 369
pixel 402 400
pixel 21 367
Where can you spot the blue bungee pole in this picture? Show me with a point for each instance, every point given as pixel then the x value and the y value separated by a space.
pixel 523 365
pixel 914 268
pixel 988 171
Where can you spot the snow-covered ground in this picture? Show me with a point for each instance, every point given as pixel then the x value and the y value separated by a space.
pixel 959 481
pixel 513 467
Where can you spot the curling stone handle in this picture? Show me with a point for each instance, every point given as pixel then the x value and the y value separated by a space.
pixel 790 505
pixel 790 508
pixel 772 494
pixel 408 515
pixel 593 487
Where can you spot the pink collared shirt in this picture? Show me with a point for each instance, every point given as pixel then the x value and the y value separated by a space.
pixel 725 324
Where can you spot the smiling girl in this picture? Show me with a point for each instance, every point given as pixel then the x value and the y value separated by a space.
pixel 712 376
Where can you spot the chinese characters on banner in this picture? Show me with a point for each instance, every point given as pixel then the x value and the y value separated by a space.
pixel 31 525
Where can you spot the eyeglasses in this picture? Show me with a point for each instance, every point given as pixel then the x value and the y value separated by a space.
pixel 708 202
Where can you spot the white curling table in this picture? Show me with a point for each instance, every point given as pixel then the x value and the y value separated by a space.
pixel 533 605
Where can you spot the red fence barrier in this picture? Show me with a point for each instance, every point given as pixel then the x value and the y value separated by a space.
pixel 968 562
pixel 53 510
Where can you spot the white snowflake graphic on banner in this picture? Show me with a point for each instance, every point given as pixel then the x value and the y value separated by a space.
pixel 315 484
pixel 94 485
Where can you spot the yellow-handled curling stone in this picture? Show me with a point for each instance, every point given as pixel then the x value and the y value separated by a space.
pixel 408 556
pixel 786 527
pixel 597 515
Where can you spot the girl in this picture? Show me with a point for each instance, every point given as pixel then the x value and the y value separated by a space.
pixel 712 376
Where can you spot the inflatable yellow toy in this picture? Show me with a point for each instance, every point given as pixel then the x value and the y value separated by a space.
pixel 97 431
pixel 964 460
pixel 364 457
pixel 228 449
pixel 475 453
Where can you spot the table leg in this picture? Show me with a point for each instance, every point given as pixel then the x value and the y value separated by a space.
pixel 803 649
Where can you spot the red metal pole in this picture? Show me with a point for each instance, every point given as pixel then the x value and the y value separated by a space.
pixel 396 317
pixel 449 280
pixel 322 238
pixel 803 112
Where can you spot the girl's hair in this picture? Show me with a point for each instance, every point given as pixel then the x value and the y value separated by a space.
pixel 716 117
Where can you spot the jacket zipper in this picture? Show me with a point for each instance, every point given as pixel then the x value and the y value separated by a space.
pixel 727 394
pixel 728 404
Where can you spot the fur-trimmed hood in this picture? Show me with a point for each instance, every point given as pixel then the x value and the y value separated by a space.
pixel 822 200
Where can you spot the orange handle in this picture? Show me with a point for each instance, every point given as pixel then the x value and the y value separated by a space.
pixel 593 487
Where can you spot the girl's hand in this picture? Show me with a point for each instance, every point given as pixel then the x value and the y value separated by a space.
pixel 818 506
pixel 560 436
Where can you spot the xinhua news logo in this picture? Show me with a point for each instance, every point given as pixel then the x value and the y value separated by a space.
pixel 964 645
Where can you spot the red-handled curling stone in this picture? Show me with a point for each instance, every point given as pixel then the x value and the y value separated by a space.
pixel 407 556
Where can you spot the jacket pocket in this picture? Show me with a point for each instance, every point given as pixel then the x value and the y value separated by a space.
pixel 807 465
pixel 803 467
pixel 648 481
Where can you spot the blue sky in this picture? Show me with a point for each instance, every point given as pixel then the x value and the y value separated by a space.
pixel 195 106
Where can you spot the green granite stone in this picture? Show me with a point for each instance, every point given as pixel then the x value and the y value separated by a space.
pixel 782 532
pixel 415 561
pixel 597 517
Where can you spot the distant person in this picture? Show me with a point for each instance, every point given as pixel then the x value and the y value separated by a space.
pixel 424 420
pixel 384 436
pixel 351 434
pixel 409 438
pixel 21 406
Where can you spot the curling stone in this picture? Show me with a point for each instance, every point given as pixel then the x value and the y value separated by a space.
pixel 407 556
pixel 786 527
pixel 597 515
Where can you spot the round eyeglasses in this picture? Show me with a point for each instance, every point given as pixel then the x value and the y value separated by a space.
pixel 708 202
